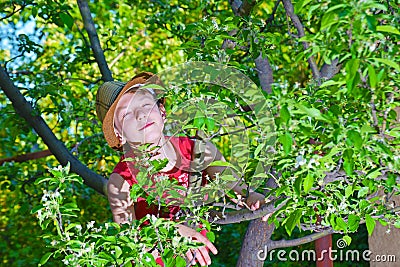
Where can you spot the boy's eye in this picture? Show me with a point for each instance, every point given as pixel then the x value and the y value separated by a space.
pixel 126 114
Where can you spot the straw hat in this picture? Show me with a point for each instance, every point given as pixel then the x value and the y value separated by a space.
pixel 107 99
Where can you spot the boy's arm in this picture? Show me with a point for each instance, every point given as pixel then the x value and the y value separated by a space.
pixel 121 204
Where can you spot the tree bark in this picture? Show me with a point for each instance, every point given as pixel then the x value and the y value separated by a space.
pixel 300 30
pixel 94 40
pixel 264 73
pixel 385 242
pixel 253 247
pixel 63 155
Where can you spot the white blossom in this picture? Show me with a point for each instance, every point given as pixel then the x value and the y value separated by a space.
pixel 90 224
pixel 300 161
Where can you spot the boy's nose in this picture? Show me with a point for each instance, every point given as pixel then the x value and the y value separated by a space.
pixel 140 115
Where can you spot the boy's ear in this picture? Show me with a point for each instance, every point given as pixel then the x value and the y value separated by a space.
pixel 162 111
pixel 119 136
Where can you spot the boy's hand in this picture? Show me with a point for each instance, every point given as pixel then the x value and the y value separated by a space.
pixel 201 253
pixel 254 201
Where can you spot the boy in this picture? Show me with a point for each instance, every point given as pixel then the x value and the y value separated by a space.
pixel 133 116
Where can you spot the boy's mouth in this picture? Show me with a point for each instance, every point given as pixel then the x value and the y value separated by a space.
pixel 146 125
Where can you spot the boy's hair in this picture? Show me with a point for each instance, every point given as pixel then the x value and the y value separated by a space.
pixel 108 96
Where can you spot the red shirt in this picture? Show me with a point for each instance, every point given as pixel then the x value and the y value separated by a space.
pixel 126 170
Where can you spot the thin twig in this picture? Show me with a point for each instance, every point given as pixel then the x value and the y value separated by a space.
pixel 271 17
pixel 373 111
pixel 385 115
pixel 115 60
pixel 13 12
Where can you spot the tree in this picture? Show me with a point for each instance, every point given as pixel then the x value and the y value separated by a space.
pixel 327 69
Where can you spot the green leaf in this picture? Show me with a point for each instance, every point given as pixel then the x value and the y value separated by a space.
pixel 387 28
pixel 292 221
pixel 373 4
pixel 384 148
pixel 308 182
pixel 202 105
pixel 362 192
pixel 220 163
pixel 372 22
pixel 328 19
pixel 341 224
pixel 297 185
pixel 353 222
pixel 285 114
pixel 391 180
pixel 332 82
pixel 211 236
pixel 45 258
pixel 370 222
pixel 210 123
pixel 180 262
pixel 347 239
pixel 348 166
pixel 199 121
pixel 352 68
pixel 36 208
pixel 106 256
pixel 348 154
pixel 348 191
pixel 229 178
pixel 312 112
pixel 287 142
pixel 388 62
pixel 367 129
pixel 356 138
pixel 67 20
pixel 371 76
pixel 118 251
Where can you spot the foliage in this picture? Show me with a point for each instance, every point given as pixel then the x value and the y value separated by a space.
pixel 102 244
pixel 346 127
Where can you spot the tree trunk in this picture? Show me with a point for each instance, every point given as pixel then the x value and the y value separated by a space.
pixel 384 243
pixel 253 246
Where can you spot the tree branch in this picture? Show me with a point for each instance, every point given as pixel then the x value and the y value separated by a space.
pixel 264 73
pixel 63 155
pixel 15 11
pixel 245 214
pixel 264 70
pixel 298 241
pixel 329 70
pixel 242 8
pixel 300 29
pixel 94 40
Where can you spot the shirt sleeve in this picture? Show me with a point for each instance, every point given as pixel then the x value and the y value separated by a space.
pixel 121 204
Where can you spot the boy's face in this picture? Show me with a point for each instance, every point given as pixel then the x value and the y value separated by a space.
pixel 138 119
